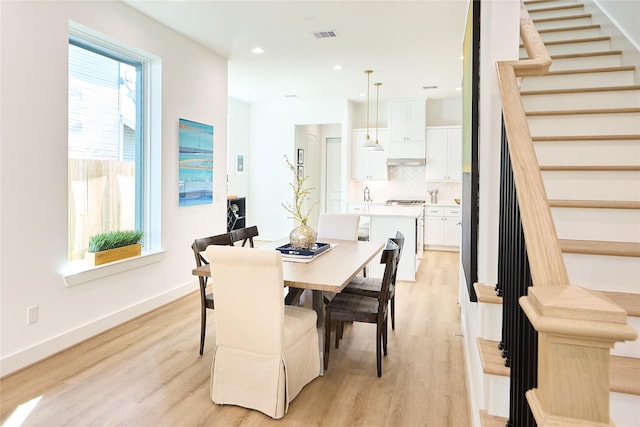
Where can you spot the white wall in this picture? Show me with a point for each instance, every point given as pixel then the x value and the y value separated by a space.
pixel 272 137
pixel 33 175
pixel 499 39
pixel 625 14
pixel 238 143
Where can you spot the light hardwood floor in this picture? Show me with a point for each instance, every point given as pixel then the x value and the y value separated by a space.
pixel 147 372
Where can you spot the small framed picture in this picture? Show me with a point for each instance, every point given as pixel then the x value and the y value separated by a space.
pixel 300 156
pixel 301 171
pixel 239 163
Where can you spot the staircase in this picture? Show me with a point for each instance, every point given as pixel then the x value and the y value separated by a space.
pixel 584 118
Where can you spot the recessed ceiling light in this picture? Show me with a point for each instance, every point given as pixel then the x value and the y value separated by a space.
pixel 458 88
pixel 430 87
pixel 292 95
pixel 337 67
pixel 257 50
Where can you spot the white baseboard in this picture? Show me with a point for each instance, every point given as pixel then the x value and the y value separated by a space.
pixel 31 355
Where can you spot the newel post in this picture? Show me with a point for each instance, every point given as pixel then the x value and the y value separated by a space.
pixel 576 329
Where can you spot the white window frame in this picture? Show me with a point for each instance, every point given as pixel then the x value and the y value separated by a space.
pixel 79 272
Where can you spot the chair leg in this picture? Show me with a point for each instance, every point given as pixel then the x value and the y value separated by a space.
pixel 378 349
pixel 327 339
pixel 384 336
pixel 393 313
pixel 339 327
pixel 203 328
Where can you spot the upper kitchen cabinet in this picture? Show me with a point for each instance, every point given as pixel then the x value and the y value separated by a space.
pixel 444 153
pixel 406 123
pixel 369 165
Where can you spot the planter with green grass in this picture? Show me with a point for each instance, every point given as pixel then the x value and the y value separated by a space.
pixel 113 246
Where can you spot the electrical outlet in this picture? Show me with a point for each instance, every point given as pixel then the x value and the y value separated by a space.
pixel 32 314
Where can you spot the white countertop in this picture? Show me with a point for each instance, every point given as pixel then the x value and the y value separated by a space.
pixel 444 205
pixel 382 210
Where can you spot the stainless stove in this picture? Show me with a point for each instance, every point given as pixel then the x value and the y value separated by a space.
pixel 405 202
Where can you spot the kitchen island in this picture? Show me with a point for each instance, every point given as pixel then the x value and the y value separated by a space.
pixel 384 221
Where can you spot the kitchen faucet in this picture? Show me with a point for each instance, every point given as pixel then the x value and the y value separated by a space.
pixel 367 194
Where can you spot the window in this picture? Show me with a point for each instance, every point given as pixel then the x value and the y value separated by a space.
pixel 106 144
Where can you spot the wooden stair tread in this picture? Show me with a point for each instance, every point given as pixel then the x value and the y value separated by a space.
pixel 574 28
pixel 594 204
pixel 561 18
pixel 488 420
pixel 624 374
pixel 599 247
pixel 491 359
pixel 628 301
pixel 556 8
pixel 581 90
pixel 629 110
pixel 487 293
pixel 585 138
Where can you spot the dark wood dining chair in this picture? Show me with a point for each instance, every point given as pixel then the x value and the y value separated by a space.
pixel 245 235
pixel 370 287
pixel 357 308
pixel 199 246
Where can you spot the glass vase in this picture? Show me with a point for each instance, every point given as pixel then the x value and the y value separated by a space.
pixel 302 237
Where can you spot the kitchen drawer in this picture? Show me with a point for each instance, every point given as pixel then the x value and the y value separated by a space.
pixel 452 211
pixel 434 211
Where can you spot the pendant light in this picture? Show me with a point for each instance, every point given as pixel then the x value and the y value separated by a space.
pixel 377 147
pixel 368 144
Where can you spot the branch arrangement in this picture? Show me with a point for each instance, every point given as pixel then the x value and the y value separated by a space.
pixel 300 194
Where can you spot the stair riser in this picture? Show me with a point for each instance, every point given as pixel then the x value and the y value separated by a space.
pixel 582 100
pixel 592 185
pixel 591 152
pixel 562 23
pixel 568 48
pixel 553 13
pixel 586 62
pixel 617 225
pixel 553 3
pixel 570 34
pixel 603 273
pixel 491 318
pixel 623 409
pixel 497 395
pixel 587 124
pixel 580 80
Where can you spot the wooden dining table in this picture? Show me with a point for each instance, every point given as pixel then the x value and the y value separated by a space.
pixel 330 271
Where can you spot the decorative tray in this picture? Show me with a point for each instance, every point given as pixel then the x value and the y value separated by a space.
pixel 317 249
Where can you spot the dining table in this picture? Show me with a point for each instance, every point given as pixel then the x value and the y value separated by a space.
pixel 329 271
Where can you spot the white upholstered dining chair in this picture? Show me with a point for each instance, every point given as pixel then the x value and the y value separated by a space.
pixel 338 226
pixel 265 352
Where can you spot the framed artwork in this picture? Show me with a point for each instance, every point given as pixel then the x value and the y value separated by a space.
pixel 301 171
pixel 239 163
pixel 195 163
pixel 300 156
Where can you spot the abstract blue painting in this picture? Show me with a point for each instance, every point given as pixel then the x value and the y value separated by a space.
pixel 195 171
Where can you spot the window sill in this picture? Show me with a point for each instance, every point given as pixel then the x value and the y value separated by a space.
pixel 79 272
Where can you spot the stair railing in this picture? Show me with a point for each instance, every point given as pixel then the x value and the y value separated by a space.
pixel 576 327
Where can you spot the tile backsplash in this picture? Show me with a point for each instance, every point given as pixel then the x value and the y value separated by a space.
pixel 405 182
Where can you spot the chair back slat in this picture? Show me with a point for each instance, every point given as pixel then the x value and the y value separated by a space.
pixel 245 234
pixel 390 256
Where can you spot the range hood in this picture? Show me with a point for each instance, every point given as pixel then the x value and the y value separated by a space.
pixel 406 162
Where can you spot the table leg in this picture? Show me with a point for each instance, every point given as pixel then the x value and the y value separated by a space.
pixel 318 307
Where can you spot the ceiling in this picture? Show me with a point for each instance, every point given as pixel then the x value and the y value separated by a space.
pixel 408 45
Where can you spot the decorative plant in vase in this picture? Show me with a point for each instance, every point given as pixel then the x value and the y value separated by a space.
pixel 112 246
pixel 302 236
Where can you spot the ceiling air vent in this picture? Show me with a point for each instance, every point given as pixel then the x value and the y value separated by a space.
pixel 325 34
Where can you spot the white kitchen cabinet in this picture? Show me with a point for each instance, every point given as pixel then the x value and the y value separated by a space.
pixel 442 226
pixel 368 165
pixel 406 122
pixel 444 154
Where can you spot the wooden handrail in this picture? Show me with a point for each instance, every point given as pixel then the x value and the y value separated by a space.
pixel 545 255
